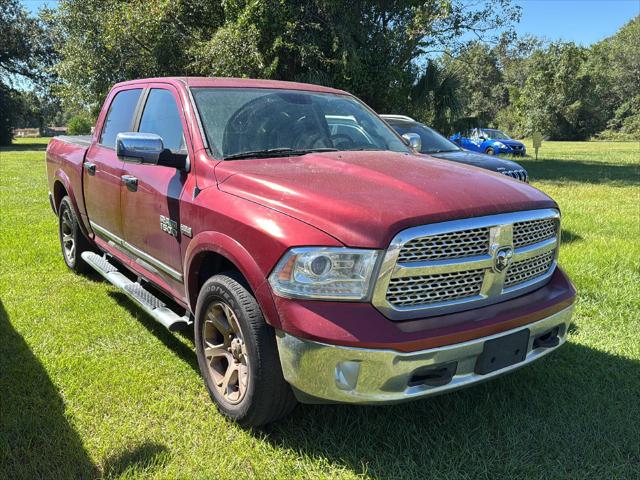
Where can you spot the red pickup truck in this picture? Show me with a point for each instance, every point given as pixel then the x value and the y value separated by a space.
pixel 316 257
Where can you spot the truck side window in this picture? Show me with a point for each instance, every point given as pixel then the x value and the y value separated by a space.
pixel 120 116
pixel 161 116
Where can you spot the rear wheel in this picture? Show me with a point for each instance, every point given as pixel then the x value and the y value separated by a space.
pixel 237 354
pixel 72 240
pixel 490 151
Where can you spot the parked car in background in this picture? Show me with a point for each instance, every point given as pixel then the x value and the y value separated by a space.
pixel 489 141
pixel 314 255
pixel 436 145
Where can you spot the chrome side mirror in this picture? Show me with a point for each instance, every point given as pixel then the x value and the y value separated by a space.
pixel 413 140
pixel 136 147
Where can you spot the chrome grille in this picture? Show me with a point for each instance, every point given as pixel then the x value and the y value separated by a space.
pixel 457 265
pixel 526 270
pixel 528 233
pixel 448 245
pixel 428 289
pixel 521 175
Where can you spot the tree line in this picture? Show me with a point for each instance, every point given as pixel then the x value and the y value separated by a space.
pixel 405 56
pixel 563 90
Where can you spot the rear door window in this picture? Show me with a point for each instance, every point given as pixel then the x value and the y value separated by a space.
pixel 120 116
pixel 162 117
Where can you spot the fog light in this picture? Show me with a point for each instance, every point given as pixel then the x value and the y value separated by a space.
pixel 347 375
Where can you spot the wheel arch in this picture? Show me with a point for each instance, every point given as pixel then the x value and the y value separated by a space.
pixel 211 253
pixel 64 187
pixel 59 192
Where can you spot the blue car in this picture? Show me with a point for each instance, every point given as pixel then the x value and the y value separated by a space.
pixel 489 141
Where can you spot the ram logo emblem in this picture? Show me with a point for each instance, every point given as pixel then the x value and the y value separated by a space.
pixel 502 259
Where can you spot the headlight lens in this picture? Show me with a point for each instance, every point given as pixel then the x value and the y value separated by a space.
pixel 325 273
pixel 500 145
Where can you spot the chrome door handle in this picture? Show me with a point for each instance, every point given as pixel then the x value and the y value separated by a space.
pixel 131 182
pixel 90 168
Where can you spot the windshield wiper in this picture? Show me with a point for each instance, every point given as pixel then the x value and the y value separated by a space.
pixel 276 152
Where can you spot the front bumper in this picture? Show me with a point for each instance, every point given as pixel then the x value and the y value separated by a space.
pixel 323 373
pixel 512 151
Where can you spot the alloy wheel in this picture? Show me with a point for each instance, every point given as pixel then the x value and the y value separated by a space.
pixel 68 240
pixel 225 352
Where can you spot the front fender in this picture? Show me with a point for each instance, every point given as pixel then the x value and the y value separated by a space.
pixel 216 242
pixel 250 236
pixel 232 250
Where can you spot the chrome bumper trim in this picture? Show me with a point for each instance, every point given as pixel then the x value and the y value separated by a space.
pixel 329 373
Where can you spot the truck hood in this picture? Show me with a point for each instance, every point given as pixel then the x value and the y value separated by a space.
pixel 481 160
pixel 365 198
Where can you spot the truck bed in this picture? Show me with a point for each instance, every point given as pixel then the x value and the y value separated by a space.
pixel 65 156
pixel 80 140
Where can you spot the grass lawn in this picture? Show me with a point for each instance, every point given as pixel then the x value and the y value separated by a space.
pixel 90 386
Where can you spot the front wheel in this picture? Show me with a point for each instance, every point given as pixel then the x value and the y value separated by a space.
pixel 237 354
pixel 490 151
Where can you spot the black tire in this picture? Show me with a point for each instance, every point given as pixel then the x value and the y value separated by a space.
pixel 490 151
pixel 69 231
pixel 266 396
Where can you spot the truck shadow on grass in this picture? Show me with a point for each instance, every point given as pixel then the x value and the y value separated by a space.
pixel 561 171
pixel 567 236
pixel 573 414
pixel 36 438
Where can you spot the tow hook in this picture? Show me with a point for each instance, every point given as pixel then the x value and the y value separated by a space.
pixel 548 339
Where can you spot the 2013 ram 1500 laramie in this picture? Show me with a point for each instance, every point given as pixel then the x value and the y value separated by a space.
pixel 316 257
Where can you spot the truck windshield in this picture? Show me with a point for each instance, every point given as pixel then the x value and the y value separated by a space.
pixel 259 123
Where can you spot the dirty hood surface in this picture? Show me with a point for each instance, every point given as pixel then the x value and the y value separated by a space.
pixel 365 198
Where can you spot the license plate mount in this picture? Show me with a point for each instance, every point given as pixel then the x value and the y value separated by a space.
pixel 503 352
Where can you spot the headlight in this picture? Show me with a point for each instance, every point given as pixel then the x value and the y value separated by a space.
pixel 324 273
pixel 500 145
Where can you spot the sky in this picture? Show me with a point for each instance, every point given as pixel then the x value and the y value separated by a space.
pixel 581 21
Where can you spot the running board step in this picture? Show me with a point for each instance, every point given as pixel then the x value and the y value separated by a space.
pixel 136 292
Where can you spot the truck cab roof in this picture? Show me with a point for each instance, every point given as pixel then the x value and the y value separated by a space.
pixel 226 82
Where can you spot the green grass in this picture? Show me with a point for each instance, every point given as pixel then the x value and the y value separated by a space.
pixel 90 386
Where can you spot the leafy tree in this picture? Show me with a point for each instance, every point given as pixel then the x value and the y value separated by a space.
pixel 24 47
pixel 7 114
pixel 571 92
pixel 483 91
pixel 370 48
pixel 615 65
pixel 25 53
pixel 104 42
pixel 557 97
pixel 435 97
pixel 80 124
